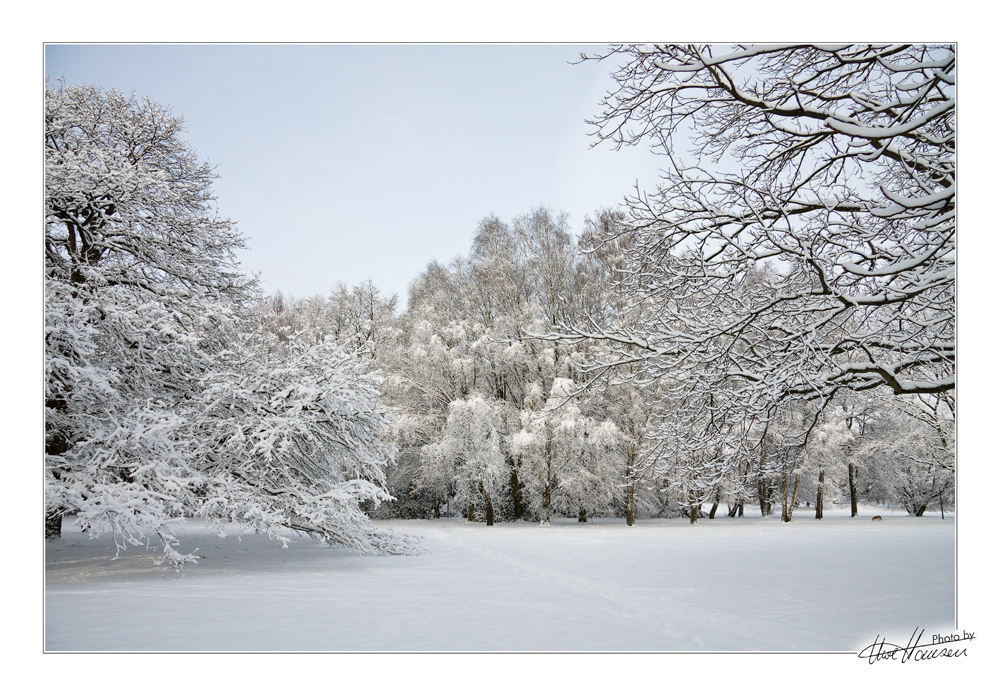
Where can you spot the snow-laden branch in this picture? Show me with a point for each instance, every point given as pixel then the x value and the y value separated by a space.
pixel 810 246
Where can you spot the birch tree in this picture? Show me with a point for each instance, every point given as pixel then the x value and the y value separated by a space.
pixel 473 440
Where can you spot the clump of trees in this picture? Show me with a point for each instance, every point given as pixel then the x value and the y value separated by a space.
pixel 495 421
pixel 497 418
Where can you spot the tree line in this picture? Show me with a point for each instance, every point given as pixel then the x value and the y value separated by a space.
pixel 498 418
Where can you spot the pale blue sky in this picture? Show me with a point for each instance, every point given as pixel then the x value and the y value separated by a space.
pixel 348 162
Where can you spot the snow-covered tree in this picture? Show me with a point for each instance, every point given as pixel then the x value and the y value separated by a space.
pixel 472 330
pixel 141 290
pixel 473 442
pixel 435 475
pixel 364 315
pixel 906 456
pixel 802 239
pixel 429 367
pixel 592 486
pixel 569 462
pixel 465 334
pixel 359 317
pixel 163 395
pixel 289 437
pixel 827 452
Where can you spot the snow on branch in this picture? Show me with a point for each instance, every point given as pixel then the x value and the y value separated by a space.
pixel 802 240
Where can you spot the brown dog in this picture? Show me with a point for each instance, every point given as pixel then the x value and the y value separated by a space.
pixel 878 518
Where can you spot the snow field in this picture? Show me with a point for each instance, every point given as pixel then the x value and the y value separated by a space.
pixel 747 584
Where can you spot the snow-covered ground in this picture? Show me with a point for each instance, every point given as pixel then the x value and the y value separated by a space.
pixel 664 585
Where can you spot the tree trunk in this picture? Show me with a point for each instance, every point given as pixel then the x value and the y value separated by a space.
pixel 629 489
pixel 854 489
pixel 786 510
pixel 437 506
pixel 693 507
pixel 472 513
pixel 763 487
pixel 53 524
pixel 515 487
pixel 582 518
pixel 715 506
pixel 489 511
pixel 941 503
pixel 784 501
pixel 795 496
pixel 819 496
pixel 545 515
pixel 489 504
pixel 735 508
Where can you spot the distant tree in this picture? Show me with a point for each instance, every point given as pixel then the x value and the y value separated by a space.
pixel 907 456
pixel 465 332
pixel 827 452
pixel 363 314
pixel 570 462
pixel 473 441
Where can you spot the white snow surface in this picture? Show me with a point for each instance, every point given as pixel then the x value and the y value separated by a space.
pixel 744 584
